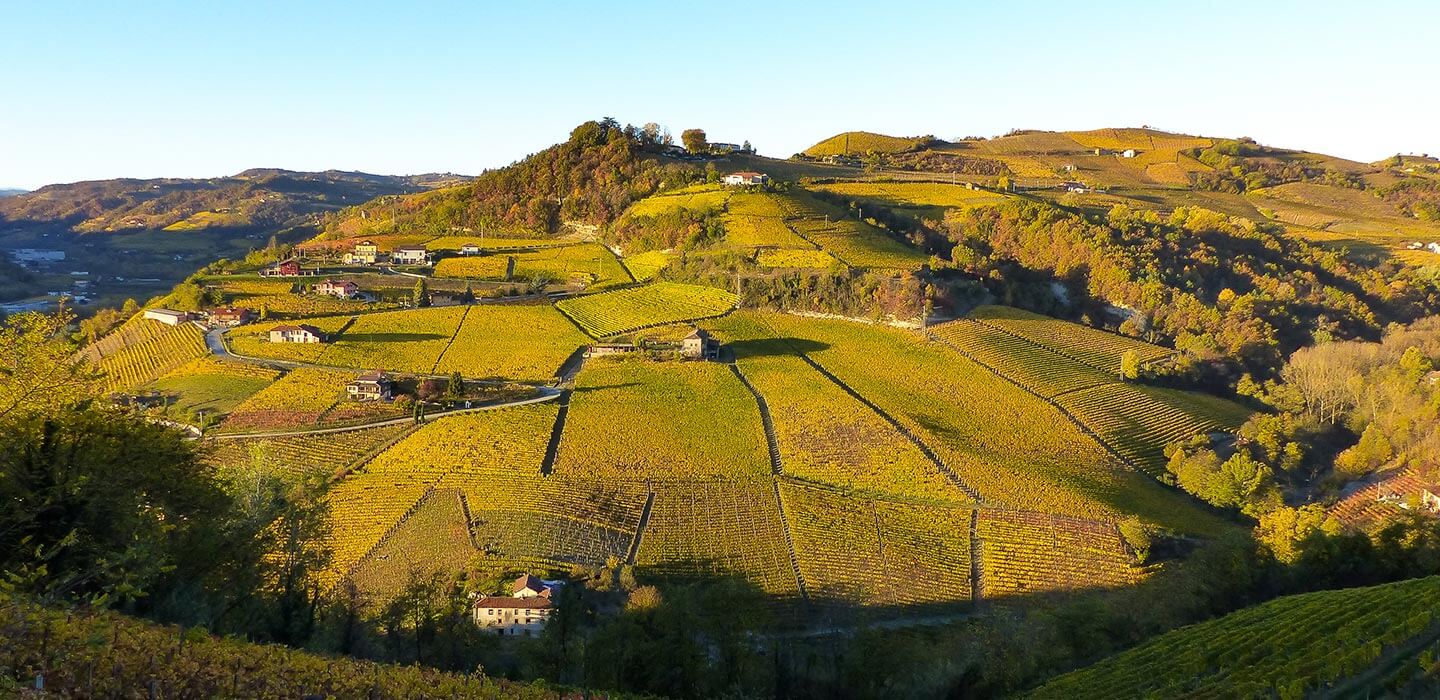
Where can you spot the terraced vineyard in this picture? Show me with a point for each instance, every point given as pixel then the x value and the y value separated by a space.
pixel 635 420
pixel 1038 369
pixel 1139 421
pixel 705 529
pixel 147 350
pixel 1034 553
pixel 1091 346
pixel 660 303
pixel 855 550
pixel 859 244
pixel 1290 647
pixel 1012 447
pixel 291 457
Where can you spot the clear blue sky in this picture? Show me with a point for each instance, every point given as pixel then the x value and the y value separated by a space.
pixel 191 89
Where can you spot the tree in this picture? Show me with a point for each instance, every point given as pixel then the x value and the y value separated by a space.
pixel 468 297
pixel 694 140
pixel 429 389
pixel 746 147
pixel 420 297
pixel 38 367
pixel 1283 530
pixel 455 387
pixel 1130 365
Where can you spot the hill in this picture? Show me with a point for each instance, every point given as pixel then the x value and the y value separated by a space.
pixel 1359 642
pixel 11 192
pixel 862 142
pixel 64 649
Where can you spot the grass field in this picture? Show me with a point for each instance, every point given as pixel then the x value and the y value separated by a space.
pixel 660 303
pixel 636 420
pixel 1295 646
pixel 1010 446
pixel 212 385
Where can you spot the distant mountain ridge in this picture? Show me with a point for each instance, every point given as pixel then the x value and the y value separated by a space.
pixel 254 198
pixel 11 191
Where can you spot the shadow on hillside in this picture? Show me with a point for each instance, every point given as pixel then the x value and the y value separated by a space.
pixel 605 387
pixel 763 347
pixel 393 337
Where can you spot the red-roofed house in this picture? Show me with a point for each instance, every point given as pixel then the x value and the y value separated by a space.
pixel 522 614
pixel 344 289
pixel 230 316
pixel 284 268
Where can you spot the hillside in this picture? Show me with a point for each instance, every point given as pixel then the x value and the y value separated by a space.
pixel 256 198
pixel 862 142
pixel 1359 642
pixel 66 648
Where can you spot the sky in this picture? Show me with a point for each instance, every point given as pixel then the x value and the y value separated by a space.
pixel 92 90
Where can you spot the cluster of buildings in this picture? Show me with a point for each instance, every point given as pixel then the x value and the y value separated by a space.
pixel 368 253
pixel 1432 246
pixel 698 345
pixel 745 178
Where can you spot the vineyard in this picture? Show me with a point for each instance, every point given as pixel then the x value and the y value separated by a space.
pixel 859 244
pixel 1139 421
pixel 434 538
pixel 212 385
pixel 481 267
pixel 1033 553
pixel 637 420
pixel 1091 346
pixel 661 205
pixel 511 341
pixel 589 263
pixel 297 400
pixel 645 266
pixel 857 550
pixel 295 456
pixel 790 258
pixel 95 654
pixel 147 350
pixel 706 529
pixel 862 142
pixel 492 243
pixel 1034 367
pixel 253 340
pixel 660 303
pixel 824 434
pixel 276 297
pixel 756 220
pixel 404 341
pixel 914 194
pixel 1136 421
pixel 1010 446
pixel 1291 647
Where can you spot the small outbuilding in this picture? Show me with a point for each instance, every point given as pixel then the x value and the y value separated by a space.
pixel 700 345
pixel 167 317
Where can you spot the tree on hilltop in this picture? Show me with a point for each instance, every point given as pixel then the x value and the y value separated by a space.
pixel 694 140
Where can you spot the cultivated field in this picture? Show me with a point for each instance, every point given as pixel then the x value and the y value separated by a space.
pixel 660 303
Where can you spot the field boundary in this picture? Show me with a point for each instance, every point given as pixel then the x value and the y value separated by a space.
pixel 1169 352
pixel 639 537
pixel 441 357
pixel 790 542
pixel 546 394
pixel 977 572
pixel 930 454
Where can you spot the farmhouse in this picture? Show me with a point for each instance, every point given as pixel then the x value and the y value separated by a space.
pixel 469 249
pixel 1127 153
pixel 344 289
pixel 371 386
pixel 229 316
pixel 700 345
pixel 296 334
pixel 167 317
pixel 365 253
pixel 411 255
pixel 1076 187
pixel 746 178
pixel 521 614
pixel 284 268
